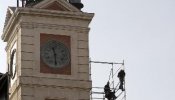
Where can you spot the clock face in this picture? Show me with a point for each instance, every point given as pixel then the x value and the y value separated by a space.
pixel 13 63
pixel 55 54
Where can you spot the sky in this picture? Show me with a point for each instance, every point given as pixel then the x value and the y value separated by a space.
pixel 141 32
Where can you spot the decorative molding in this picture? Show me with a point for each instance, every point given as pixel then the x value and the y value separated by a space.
pixel 30 25
pixel 12 37
pixel 61 82
pixel 63 3
pixel 55 13
pixel 14 20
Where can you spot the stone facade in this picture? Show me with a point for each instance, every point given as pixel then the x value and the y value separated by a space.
pixel 24 28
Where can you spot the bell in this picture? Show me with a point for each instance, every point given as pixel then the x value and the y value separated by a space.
pixel 75 1
pixel 77 4
pixel 32 2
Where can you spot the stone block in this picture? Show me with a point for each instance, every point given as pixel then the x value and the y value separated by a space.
pixel 27 91
pixel 27 39
pixel 27 48
pixel 83 68
pixel 27 56
pixel 27 64
pixel 26 72
pixel 83 36
pixel 26 31
pixel 84 76
pixel 83 44
pixel 83 52
pixel 26 97
pixel 84 95
pixel 26 80
pixel 83 60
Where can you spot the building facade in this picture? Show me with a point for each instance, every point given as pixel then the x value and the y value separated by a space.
pixel 48 51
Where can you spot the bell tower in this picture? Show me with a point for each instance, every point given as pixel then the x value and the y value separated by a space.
pixel 48 51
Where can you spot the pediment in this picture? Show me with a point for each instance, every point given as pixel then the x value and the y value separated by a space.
pixel 9 13
pixel 60 5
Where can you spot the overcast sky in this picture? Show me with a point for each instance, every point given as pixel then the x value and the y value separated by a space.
pixel 142 32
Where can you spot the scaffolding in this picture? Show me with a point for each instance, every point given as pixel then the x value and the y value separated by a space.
pixel 97 92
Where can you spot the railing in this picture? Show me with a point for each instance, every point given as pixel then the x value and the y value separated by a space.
pixel 97 92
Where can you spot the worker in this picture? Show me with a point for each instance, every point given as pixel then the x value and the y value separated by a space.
pixel 121 76
pixel 108 93
pixel 107 89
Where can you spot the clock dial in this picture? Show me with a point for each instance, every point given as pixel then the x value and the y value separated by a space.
pixel 55 54
pixel 13 63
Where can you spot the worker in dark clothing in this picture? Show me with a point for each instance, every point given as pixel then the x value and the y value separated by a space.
pixel 108 93
pixel 121 76
pixel 107 90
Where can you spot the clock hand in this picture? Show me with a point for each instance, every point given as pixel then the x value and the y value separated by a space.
pixel 54 55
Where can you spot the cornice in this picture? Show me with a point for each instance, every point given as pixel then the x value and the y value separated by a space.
pixel 55 13
pixel 32 25
pixel 9 27
pixel 68 84
pixel 43 13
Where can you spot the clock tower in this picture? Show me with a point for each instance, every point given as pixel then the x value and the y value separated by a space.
pixel 47 50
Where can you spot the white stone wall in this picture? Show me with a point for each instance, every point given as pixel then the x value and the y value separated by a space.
pixel 33 85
